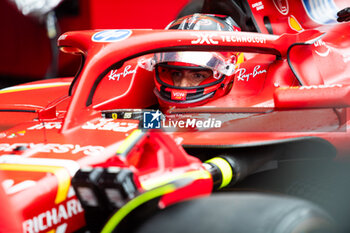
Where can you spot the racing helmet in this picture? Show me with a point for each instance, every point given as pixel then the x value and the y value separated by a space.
pixel 217 67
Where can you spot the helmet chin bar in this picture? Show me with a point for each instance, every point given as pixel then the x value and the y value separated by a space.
pixel 179 102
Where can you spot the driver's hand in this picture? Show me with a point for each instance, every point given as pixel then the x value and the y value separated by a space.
pixel 344 15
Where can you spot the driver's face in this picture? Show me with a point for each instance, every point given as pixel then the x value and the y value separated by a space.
pixel 188 77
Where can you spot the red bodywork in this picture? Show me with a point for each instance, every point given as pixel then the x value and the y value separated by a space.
pixel 49 134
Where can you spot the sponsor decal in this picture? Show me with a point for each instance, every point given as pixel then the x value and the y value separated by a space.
pixel 282 6
pixel 294 24
pixel 111 125
pixel 14 135
pixel 204 38
pixel 53 217
pixel 46 125
pixel 258 6
pixel 207 38
pixel 242 74
pixel 114 75
pixel 21 133
pixel 111 35
pixel 54 148
pixel 101 124
pixel 178 95
pixel 151 119
pixel 11 188
pixel 250 39
pixel 321 12
pixel 321 48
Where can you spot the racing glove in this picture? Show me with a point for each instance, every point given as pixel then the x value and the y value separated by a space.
pixel 344 15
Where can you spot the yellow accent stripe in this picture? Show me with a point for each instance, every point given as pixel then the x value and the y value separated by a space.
pixel 162 180
pixel 225 169
pixel 61 173
pixel 240 58
pixel 52 231
pixel 130 140
pixel 120 214
pixel 33 87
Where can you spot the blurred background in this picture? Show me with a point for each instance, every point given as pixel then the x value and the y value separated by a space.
pixel 30 29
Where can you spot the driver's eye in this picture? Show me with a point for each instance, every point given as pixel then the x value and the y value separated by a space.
pixel 201 75
pixel 198 76
pixel 176 74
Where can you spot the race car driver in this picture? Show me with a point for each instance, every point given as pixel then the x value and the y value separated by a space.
pixel 187 79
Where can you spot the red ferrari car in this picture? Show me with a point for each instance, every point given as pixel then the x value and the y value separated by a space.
pixel 95 153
